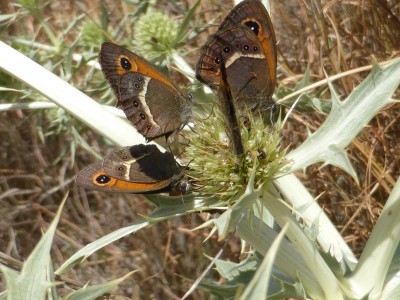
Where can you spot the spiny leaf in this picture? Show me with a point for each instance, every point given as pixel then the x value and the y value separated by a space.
pixel 258 286
pixel 347 119
pixel 32 282
pixel 89 249
pixel 92 292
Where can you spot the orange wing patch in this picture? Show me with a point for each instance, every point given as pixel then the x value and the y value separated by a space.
pixel 120 69
pixel 123 185
pixel 139 65
pixel 269 48
pixel 145 68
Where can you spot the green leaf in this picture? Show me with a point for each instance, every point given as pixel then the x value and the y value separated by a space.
pixel 238 272
pixel 95 291
pixel 7 20
pixel 328 237
pixel 173 206
pixel 372 268
pixel 89 249
pixel 104 18
pixel 7 17
pixel 3 295
pixel 238 275
pixel 225 291
pixel 312 270
pixel 346 120
pixel 287 290
pixel 307 101
pixel 67 97
pixel 32 282
pixel 188 18
pixel 170 207
pixel 5 89
pixel 258 286
pixel 393 289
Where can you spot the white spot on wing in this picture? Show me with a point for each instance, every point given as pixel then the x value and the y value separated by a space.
pixel 238 55
pixel 127 164
pixel 142 99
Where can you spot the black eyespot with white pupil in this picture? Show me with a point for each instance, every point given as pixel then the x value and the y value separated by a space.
pixel 253 26
pixel 246 47
pixel 142 116
pixel 103 179
pixel 125 63
pixel 217 60
pixel 227 49
pixel 135 103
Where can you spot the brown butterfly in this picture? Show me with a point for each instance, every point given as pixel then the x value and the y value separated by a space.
pixel 245 43
pixel 137 169
pixel 148 98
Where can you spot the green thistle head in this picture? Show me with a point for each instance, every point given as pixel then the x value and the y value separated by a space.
pixel 155 35
pixel 217 171
pixel 92 34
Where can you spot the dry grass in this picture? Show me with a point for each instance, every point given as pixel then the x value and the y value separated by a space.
pixel 37 168
pixel 343 38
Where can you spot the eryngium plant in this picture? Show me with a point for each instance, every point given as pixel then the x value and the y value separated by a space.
pixel 313 261
pixel 155 34
pixel 215 171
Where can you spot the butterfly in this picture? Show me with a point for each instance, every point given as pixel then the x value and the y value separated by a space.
pixel 148 98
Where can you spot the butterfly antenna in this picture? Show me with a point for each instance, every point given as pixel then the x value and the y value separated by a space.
pixel 192 129
pixel 211 112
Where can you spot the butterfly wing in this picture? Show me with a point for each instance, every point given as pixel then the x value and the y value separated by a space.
pixel 253 15
pixel 245 64
pixel 246 40
pixel 148 98
pixel 137 169
pixel 141 163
